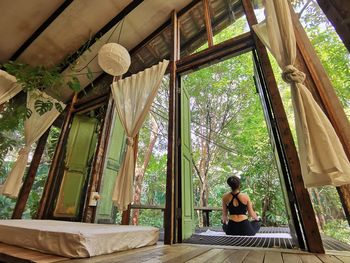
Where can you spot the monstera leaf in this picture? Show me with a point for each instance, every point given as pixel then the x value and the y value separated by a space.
pixel 28 113
pixel 58 107
pixel 42 107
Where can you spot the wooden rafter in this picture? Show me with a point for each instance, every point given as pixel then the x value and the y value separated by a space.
pixel 169 212
pixel 207 19
pixel 234 46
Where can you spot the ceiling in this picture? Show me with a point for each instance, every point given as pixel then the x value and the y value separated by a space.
pixel 40 32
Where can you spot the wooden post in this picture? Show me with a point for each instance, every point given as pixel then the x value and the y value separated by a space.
pixel 29 180
pixel 207 19
pixel 326 97
pixel 99 159
pixel 169 212
pixel 307 216
pixel 47 193
pixel 126 216
pixel 126 213
pixel 338 13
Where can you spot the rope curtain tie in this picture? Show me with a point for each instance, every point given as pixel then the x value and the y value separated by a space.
pixel 291 75
pixel 130 141
pixel 24 150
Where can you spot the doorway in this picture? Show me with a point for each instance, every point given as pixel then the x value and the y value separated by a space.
pixel 232 133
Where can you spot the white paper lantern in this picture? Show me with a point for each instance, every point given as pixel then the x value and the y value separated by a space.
pixel 114 59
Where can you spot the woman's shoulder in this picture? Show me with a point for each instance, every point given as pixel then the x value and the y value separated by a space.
pixel 243 196
pixel 227 195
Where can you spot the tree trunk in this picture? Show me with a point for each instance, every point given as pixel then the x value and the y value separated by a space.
pixel 318 208
pixel 140 171
pixel 265 208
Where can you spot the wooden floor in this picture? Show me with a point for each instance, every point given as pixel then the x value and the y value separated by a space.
pixel 185 253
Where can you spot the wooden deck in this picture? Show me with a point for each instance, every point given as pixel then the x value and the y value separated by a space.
pixel 182 253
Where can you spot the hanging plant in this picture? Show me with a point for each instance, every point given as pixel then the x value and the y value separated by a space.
pixel 32 78
pixel 41 78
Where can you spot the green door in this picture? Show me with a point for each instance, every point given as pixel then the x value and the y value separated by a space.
pixel 80 149
pixel 187 211
pixel 105 212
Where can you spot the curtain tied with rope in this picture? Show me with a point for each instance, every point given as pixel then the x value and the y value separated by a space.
pixel 34 127
pixel 133 98
pixel 322 157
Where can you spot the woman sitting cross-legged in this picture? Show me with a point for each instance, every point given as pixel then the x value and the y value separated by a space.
pixel 235 206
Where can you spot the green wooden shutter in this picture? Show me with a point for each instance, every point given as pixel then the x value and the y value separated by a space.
pixel 115 150
pixel 80 149
pixel 186 167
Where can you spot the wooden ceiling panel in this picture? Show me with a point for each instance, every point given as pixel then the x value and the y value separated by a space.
pixel 79 22
pixel 18 21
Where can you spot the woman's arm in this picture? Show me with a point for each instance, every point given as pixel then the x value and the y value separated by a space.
pixel 251 211
pixel 224 212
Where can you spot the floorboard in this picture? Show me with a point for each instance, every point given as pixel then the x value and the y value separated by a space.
pixel 310 259
pixel 273 257
pixel 291 258
pixel 329 259
pixel 237 257
pixel 344 258
pixel 255 257
pixel 181 253
pixel 225 254
pixel 207 256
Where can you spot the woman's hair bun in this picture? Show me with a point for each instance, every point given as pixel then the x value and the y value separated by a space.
pixel 234 182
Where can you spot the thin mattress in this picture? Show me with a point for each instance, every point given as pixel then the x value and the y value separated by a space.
pixel 73 239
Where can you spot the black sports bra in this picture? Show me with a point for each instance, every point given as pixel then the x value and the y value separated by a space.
pixel 241 209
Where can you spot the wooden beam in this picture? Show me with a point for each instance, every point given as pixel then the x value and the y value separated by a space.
pixel 29 180
pixel 119 17
pixel 231 47
pixel 207 20
pixel 326 97
pixel 126 216
pixel 58 155
pixel 98 162
pixel 217 21
pixel 163 27
pixel 41 29
pixel 338 13
pixel 308 220
pixel 169 212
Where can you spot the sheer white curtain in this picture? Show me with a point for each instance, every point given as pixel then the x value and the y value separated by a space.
pixel 34 127
pixel 8 86
pixel 322 157
pixel 133 98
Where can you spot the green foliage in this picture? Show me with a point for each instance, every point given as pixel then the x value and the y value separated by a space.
pixel 338 229
pixel 42 107
pixel 74 84
pixel 11 118
pixel 34 78
pixel 150 217
pixel 7 205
